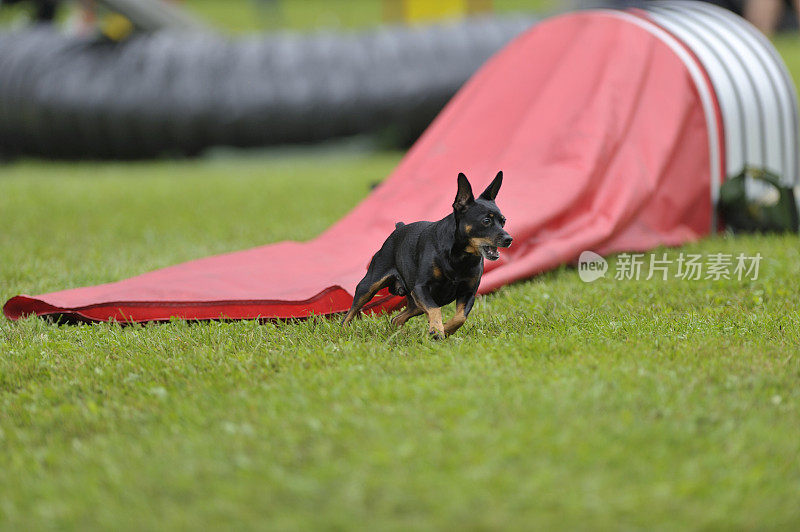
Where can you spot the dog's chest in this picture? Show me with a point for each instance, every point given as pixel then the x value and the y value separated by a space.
pixel 443 292
pixel 444 284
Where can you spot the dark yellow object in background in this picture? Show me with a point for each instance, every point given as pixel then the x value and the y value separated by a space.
pixel 425 10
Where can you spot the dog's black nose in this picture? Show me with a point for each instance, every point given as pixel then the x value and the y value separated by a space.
pixel 507 241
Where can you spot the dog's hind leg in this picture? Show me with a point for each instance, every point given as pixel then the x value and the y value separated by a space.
pixel 365 291
pixel 407 313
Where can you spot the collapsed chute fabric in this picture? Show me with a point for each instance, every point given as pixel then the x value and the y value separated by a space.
pixel 608 131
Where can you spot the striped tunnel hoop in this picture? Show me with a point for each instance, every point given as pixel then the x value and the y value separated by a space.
pixel 754 92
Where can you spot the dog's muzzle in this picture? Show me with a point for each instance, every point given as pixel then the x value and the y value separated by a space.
pixel 490 252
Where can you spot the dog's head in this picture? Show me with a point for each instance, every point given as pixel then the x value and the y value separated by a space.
pixel 480 222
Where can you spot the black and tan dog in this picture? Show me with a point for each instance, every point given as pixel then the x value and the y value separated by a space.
pixel 434 263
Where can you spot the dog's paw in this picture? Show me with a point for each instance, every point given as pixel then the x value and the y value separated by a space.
pixel 436 335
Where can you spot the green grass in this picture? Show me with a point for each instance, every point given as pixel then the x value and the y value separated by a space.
pixel 558 405
pixel 248 16
pixel 238 16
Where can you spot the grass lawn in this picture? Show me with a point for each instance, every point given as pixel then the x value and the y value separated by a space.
pixel 559 405
pixel 237 16
pixel 248 16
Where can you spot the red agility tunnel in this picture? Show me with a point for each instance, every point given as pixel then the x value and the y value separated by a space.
pixel 614 130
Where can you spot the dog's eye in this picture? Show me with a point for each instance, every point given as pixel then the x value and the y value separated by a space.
pixel 487 221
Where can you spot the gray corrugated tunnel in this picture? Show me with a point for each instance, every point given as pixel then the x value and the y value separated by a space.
pixel 756 95
pixel 757 103
pixel 179 93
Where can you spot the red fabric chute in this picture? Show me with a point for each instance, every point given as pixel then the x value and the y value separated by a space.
pixel 597 123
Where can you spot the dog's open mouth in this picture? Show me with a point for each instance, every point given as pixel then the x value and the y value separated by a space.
pixel 489 252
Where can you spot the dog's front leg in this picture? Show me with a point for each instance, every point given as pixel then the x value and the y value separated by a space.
pixel 465 299
pixel 424 301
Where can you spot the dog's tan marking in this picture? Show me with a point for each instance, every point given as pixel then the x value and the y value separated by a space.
pixel 475 243
pixel 454 323
pixel 350 314
pixel 437 272
pixel 468 229
pixel 407 313
pixel 383 283
pixel 435 326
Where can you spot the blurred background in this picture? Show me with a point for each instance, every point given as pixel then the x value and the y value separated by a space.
pixel 243 16
pixel 247 16
pixel 130 79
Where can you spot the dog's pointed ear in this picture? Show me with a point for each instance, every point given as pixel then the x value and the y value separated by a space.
pixel 464 195
pixel 494 187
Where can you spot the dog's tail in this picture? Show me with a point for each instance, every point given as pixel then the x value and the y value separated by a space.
pixel 398 225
